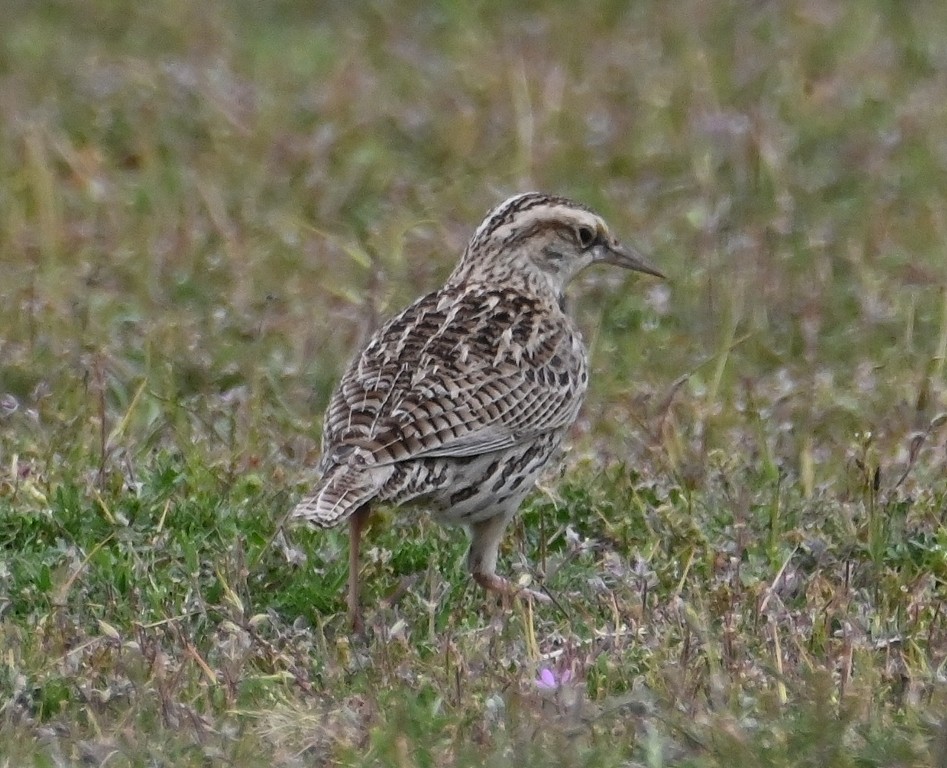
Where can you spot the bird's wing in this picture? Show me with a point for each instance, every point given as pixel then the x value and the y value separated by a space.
pixel 459 374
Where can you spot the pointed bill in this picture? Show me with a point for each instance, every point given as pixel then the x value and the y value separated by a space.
pixel 629 258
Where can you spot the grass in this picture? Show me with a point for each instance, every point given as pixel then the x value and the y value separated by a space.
pixel 204 207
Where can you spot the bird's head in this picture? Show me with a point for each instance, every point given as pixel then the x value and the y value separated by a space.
pixel 543 241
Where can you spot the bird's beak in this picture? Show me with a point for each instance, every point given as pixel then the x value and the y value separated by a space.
pixel 628 258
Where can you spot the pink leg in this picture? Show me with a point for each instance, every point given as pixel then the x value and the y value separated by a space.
pixel 482 559
pixel 356 525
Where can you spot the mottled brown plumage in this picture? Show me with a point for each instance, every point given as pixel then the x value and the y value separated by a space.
pixel 461 400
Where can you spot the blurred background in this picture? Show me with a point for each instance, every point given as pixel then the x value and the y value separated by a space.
pixel 219 199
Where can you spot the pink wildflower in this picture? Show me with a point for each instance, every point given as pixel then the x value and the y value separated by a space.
pixel 548 680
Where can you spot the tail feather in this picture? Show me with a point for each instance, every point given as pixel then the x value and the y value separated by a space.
pixel 344 488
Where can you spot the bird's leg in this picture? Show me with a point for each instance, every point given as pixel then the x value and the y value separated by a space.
pixel 482 559
pixel 356 525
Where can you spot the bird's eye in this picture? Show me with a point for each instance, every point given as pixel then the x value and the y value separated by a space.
pixel 586 236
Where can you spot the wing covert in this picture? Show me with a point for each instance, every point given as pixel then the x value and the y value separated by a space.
pixel 478 374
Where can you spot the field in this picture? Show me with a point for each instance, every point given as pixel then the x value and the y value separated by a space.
pixel 205 206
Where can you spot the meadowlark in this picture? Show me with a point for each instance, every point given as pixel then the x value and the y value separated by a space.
pixel 461 400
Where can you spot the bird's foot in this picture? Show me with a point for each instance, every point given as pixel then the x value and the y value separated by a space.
pixel 494 583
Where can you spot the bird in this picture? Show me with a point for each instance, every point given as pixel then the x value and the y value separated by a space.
pixel 460 401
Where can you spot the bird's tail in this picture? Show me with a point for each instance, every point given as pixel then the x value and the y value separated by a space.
pixel 344 488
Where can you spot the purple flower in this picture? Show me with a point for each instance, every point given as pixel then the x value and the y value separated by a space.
pixel 549 681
